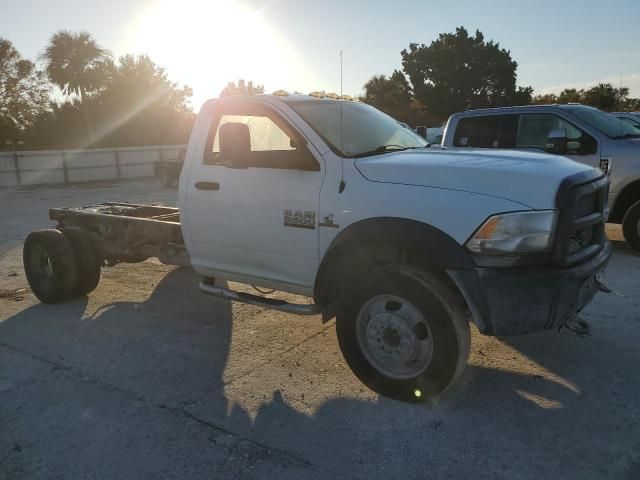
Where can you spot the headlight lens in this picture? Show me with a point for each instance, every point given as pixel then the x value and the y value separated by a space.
pixel 514 233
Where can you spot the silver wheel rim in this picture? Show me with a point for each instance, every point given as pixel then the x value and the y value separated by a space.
pixel 394 336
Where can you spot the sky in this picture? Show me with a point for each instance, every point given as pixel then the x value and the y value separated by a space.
pixel 295 45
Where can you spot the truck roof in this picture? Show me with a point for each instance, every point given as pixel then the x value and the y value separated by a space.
pixel 289 98
pixel 498 110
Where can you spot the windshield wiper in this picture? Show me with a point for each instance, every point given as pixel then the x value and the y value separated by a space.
pixel 382 149
pixel 627 135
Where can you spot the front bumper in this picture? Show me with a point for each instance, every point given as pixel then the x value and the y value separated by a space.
pixel 516 300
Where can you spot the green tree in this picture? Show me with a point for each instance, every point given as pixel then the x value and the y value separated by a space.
pixel 603 96
pixel 76 63
pixel 545 99
pixel 24 92
pixel 389 94
pixel 606 97
pixel 241 88
pixel 570 95
pixel 137 105
pixel 458 71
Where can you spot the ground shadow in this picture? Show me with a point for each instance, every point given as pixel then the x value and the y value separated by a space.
pixel 173 348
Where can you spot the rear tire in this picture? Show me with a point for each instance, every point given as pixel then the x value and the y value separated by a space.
pixel 87 260
pixel 405 333
pixel 49 265
pixel 631 226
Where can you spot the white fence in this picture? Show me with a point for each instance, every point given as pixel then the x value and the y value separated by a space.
pixel 72 166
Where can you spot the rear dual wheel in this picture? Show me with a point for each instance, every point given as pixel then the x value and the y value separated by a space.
pixel 60 264
pixel 405 334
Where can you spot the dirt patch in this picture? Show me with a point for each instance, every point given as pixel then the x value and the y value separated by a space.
pixel 16 294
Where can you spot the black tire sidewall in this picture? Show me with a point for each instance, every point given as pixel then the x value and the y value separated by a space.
pixel 440 373
pixel 87 259
pixel 59 250
pixel 630 226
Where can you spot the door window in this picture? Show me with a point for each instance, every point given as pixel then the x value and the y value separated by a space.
pixel 534 129
pixel 273 142
pixel 264 133
pixel 492 131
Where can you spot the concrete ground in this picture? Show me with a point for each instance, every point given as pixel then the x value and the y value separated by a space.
pixel 148 378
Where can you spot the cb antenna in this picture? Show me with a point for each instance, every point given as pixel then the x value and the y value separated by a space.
pixel 342 184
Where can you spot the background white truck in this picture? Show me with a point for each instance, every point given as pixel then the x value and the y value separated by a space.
pixel 584 134
pixel 337 201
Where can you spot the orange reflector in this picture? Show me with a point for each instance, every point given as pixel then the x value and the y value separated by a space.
pixel 487 230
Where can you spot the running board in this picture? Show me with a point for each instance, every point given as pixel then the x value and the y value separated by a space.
pixel 272 303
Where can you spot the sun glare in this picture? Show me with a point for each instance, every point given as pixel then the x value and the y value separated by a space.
pixel 205 44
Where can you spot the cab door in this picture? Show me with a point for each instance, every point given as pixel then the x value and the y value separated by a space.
pixel 533 131
pixel 253 199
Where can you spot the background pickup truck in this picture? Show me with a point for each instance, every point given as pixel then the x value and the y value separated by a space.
pixel 332 199
pixel 582 133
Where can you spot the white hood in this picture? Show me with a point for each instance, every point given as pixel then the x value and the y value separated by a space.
pixel 531 179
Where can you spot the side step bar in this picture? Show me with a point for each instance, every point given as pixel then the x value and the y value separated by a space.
pixel 272 303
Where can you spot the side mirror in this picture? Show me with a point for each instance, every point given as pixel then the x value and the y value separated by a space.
pixel 557 141
pixel 422 131
pixel 235 145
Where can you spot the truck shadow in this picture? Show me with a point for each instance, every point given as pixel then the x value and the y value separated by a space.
pixel 173 350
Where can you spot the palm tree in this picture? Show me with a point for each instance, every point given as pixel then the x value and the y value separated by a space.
pixel 75 62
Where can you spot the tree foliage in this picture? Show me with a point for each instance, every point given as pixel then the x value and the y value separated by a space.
pixel 76 63
pixel 393 95
pixel 603 96
pixel 241 88
pixel 390 94
pixel 137 105
pixel 24 92
pixel 458 71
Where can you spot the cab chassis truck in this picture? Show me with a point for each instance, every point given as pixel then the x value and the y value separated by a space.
pixel 404 245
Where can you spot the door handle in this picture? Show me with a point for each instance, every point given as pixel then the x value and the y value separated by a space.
pixel 207 185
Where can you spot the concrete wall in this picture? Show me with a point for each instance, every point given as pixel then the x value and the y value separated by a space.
pixel 72 166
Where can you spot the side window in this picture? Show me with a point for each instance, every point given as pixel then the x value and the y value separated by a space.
pixel 265 135
pixel 493 131
pixel 272 142
pixel 533 130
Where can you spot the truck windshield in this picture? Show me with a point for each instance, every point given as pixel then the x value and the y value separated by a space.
pixel 608 124
pixel 365 130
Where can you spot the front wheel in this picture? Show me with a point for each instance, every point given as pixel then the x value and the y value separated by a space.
pixel 405 334
pixel 631 226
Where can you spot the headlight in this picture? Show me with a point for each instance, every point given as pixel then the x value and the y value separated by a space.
pixel 514 233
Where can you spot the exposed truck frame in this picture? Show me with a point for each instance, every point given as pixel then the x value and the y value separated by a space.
pixel 131 233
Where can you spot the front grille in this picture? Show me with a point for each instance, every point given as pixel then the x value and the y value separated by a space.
pixel 580 239
pixel 580 233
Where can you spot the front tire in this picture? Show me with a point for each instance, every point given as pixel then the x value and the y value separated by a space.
pixel 49 265
pixel 631 226
pixel 405 334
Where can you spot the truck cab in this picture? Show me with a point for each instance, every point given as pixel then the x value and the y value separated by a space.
pixel 584 134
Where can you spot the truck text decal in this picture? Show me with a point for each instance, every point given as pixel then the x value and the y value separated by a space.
pixel 299 218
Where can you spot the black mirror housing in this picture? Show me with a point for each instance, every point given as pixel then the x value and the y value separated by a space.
pixel 557 141
pixel 235 145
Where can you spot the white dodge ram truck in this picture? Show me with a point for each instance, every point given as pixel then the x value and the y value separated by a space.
pixel 337 201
